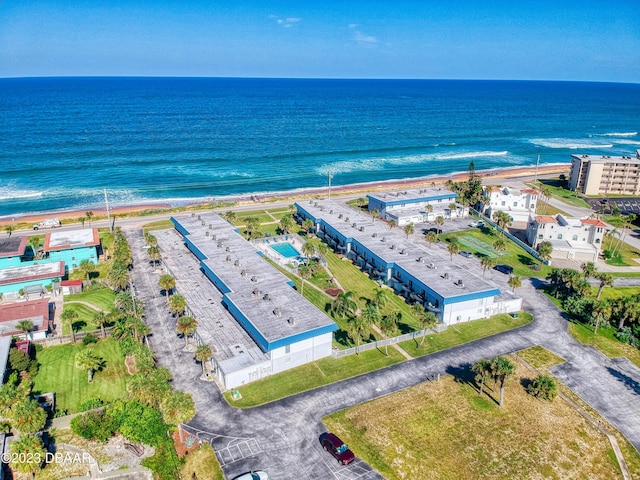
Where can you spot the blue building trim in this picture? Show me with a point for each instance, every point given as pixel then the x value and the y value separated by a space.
pixel 471 296
pixel 178 226
pixel 385 203
pixel 195 250
pixel 302 336
pixel 240 317
pixel 210 274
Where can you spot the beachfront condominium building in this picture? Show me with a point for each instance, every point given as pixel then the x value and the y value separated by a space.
pixel 519 204
pixel 571 238
pixel 605 174
pixel 248 312
pixel 418 205
pixel 419 274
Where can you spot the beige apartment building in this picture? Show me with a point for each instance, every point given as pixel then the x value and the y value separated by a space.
pixel 601 175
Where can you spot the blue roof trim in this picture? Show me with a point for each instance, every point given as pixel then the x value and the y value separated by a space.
pixel 471 296
pixel 195 250
pixel 178 226
pixel 210 274
pixel 244 322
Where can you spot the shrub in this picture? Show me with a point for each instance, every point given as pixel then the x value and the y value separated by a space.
pixel 164 463
pixel 544 386
pixel 138 422
pixel 97 424
pixel 90 404
pixel 624 334
pixel 89 338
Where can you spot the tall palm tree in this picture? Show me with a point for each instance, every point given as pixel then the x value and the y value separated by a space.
pixel 453 248
pixel 70 317
pixel 431 237
pixel 502 219
pixel 499 245
pixel 514 282
pixel 203 353
pixel 286 223
pixel 452 208
pixel 186 326
pixel 606 280
pixel 89 216
pixel 177 408
pixel 375 213
pixel 87 267
pixel 588 270
pixel 9 229
pixel 601 313
pixel 90 362
pixel 118 276
pixel 344 305
pixel 230 216
pixel 25 326
pixel 408 229
pixel 359 329
pixel 545 249
pixel 307 225
pixel 482 369
pixel 167 283
pixel 439 223
pixel 426 319
pixel 502 370
pixel 392 224
pixel 151 240
pixel 486 262
pixel 305 273
pixel 154 254
pixel 388 326
pixel 380 298
pixel 101 318
pixel 371 314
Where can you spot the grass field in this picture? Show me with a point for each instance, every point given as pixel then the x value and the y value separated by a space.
pixel 617 292
pixel 559 191
pixel 628 254
pixel 604 341
pixel 517 257
pixel 102 299
pixel 59 374
pixel 202 464
pixel 444 430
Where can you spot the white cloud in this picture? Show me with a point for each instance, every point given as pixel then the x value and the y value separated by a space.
pixel 363 39
pixel 285 22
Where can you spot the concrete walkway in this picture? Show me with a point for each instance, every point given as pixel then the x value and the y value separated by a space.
pixel 282 437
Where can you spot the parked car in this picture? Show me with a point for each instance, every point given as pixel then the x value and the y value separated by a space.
pixel 336 447
pixel 480 224
pixel 253 475
pixel 508 269
pixel 466 253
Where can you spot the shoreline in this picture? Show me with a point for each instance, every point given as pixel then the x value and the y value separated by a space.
pixel 301 193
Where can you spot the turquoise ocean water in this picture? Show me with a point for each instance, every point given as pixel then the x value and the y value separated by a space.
pixel 174 140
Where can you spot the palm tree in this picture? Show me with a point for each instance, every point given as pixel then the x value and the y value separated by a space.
pixel 439 222
pixel 344 305
pixel 25 326
pixel 374 214
pixel 380 298
pixel 127 303
pixel 388 326
pixel 252 227
pixel 9 229
pixel 361 202
pixel 307 225
pixel 87 267
pixel 359 329
pixel 426 319
pixel 27 454
pixel 626 308
pixel 82 220
pixel 588 270
pixel 203 353
pixel 601 313
pixel 310 247
pixel 429 209
pixel 392 223
pixel 431 237
pixel 544 386
pixel 101 318
pixel 514 282
pixel 606 280
pixel 286 223
pixel 27 415
pixel 154 254
pixel 186 326
pixel 150 388
pixel 499 246
pixel 230 216
pixel 502 370
pixel 118 276
pixel 453 248
pixel 486 262
pixel 177 304
pixel 177 408
pixel 408 229
pixel 371 314
pixel 545 249
pixel 555 279
pixel 167 283
pixel 452 208
pixel 305 273
pixel 90 362
pixel 482 368
pixel 151 240
pixel 502 219
pixel 89 216
pixel 70 317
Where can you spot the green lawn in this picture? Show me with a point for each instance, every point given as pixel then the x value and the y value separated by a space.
pixel 102 298
pixel 609 293
pixel 540 358
pixel 310 376
pixel 628 254
pixel 604 341
pixel 159 225
pixel 84 323
pixel 516 256
pixel 59 374
pixel 559 191
pixel 465 332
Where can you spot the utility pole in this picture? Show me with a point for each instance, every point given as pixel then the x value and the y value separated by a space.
pixel 535 178
pixel 330 175
pixel 106 201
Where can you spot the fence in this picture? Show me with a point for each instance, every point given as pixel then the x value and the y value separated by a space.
pixel 63 339
pixel 387 341
pixel 516 240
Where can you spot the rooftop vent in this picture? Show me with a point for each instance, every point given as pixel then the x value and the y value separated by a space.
pixel 237 263
pixel 193 214
pixel 206 234
pixel 375 235
pixel 384 240
pixel 322 208
pixel 393 246
pixel 362 229
pixel 346 219
pixel 432 266
pixel 310 202
pixel 219 244
pixel 339 215
pixel 214 236
pixel 203 223
pixel 445 276
pixel 228 259
pixel 254 279
pixel 228 249
pixel 459 283
pixel 256 291
pixel 211 226
pixel 403 252
pixel 243 273
pixel 291 321
pixel 331 212
pixel 421 259
pixel 277 312
pixel 266 297
pixel 315 204
pixel 199 217
pixel 354 224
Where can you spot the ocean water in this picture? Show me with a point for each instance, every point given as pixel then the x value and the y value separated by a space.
pixel 64 140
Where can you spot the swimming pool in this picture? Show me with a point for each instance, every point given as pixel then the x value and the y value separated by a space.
pixel 286 250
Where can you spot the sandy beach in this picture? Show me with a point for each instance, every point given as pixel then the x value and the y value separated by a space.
pixel 492 176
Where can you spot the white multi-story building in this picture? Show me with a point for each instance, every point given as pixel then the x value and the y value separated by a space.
pixel 571 238
pixel 519 204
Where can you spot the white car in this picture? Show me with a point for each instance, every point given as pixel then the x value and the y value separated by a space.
pixel 253 475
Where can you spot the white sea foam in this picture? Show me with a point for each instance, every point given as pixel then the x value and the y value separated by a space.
pixel 10 192
pixel 617 134
pixel 627 142
pixel 568 143
pixel 471 155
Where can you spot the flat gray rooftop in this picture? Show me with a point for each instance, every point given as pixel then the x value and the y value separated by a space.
pixel 608 158
pixel 392 246
pixel 71 238
pixel 216 327
pixel 260 291
pixel 31 272
pixel 12 246
pixel 413 194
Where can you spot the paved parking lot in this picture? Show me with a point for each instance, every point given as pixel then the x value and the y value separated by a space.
pixel 282 437
pixel 626 205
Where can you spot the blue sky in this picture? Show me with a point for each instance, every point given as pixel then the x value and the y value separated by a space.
pixel 475 39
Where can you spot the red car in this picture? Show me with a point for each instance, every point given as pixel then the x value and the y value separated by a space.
pixel 337 448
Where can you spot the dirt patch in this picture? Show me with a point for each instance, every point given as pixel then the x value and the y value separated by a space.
pixel 333 292
pixel 130 362
pixel 188 444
